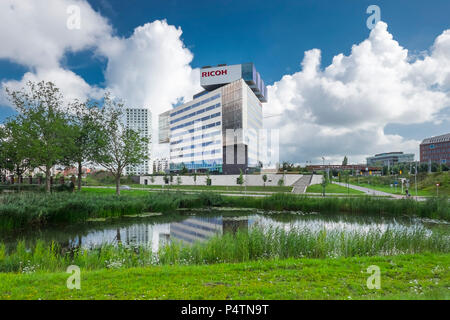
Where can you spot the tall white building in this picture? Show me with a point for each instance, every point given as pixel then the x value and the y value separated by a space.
pixel 160 165
pixel 140 120
pixel 218 130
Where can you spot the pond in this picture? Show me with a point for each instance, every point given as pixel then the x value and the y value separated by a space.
pixel 192 226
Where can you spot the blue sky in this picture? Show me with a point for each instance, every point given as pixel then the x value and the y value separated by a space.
pixel 272 34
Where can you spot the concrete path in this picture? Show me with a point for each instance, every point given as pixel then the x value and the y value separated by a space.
pixel 301 184
pixel 369 191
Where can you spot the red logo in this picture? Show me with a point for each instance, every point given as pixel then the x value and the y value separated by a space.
pixel 214 73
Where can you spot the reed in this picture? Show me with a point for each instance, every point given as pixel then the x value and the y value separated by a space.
pixel 20 210
pixel 255 244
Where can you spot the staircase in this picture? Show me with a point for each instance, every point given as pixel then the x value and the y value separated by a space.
pixel 301 184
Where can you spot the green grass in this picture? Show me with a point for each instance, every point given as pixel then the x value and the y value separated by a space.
pixel 426 183
pixel 402 277
pixel 332 188
pixel 393 190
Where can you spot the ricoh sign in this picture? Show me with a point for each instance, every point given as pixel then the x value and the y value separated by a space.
pixel 219 75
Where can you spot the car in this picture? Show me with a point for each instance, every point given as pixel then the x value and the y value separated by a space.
pixel 125 188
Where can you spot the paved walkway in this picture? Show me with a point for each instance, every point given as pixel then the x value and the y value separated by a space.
pixel 301 184
pixel 370 191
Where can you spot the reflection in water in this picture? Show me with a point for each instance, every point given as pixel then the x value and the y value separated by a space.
pixel 150 232
pixel 200 229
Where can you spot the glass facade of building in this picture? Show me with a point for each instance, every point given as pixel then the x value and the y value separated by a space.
pixel 218 130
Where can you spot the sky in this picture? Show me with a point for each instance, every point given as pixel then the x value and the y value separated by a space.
pixel 340 88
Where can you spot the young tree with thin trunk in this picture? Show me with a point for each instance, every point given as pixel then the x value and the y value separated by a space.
pixel 264 177
pixel 44 124
pixel 118 146
pixel 86 134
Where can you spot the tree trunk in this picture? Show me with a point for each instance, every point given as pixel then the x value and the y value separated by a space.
pixel 80 168
pixel 118 184
pixel 47 180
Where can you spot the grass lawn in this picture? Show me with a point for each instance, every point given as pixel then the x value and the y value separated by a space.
pixel 392 190
pixel 425 276
pixel 331 188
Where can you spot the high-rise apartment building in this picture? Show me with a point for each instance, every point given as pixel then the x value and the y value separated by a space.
pixel 219 129
pixel 140 120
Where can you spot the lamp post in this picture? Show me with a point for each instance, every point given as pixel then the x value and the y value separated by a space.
pixel 415 180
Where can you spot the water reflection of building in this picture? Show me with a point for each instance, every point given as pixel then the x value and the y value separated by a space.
pixel 138 234
pixel 158 235
pixel 202 229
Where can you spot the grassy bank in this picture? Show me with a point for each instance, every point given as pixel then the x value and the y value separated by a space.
pixel 20 210
pixel 250 245
pixel 402 277
pixel 332 188
pixel 426 183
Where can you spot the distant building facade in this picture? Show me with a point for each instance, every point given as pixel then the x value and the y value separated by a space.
pixel 436 149
pixel 390 159
pixel 140 120
pixel 160 165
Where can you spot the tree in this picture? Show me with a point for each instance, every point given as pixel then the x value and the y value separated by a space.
pixel 264 177
pixel 16 158
pixel 240 179
pixel 345 161
pixel 5 165
pixel 43 123
pixel 118 146
pixel 208 179
pixel 86 134
pixel 195 178
pixel 325 182
pixel 152 179
pixel 184 170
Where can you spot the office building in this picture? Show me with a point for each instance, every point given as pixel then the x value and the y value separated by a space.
pixel 390 158
pixel 436 149
pixel 218 130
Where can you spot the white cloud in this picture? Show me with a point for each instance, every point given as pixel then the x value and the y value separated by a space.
pixel 150 69
pixel 334 111
pixel 343 108
pixel 71 85
pixel 35 34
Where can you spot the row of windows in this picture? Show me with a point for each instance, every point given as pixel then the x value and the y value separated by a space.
pixel 195 105
pixel 196 113
pixel 203 136
pixel 199 145
pixel 213 165
pixel 206 126
pixel 193 121
pixel 195 154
